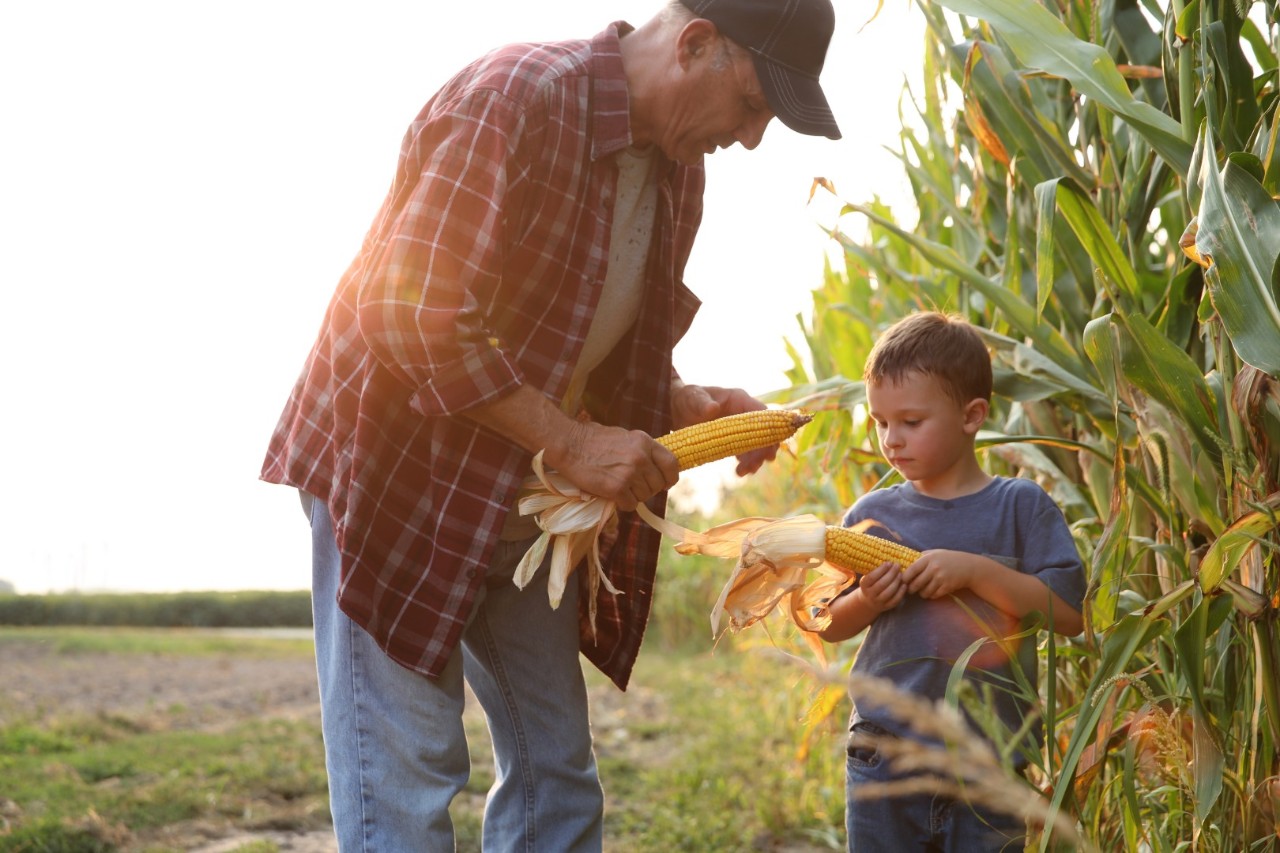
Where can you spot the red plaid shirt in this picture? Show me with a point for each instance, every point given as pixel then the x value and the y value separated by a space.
pixel 480 273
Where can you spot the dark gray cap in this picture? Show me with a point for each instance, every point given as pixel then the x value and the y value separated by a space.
pixel 788 42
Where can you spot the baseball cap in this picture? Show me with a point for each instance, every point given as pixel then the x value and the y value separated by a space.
pixel 788 42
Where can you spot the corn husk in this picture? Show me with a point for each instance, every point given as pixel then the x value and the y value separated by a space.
pixel 571 522
pixel 779 563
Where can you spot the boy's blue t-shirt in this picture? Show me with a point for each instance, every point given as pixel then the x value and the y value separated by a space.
pixel 1012 521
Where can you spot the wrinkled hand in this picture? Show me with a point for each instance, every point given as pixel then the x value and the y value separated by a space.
pixel 938 573
pixel 695 404
pixel 883 587
pixel 625 467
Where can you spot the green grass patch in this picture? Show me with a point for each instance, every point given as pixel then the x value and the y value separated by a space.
pixel 177 642
pixel 149 780
pixel 718 770
pixel 699 755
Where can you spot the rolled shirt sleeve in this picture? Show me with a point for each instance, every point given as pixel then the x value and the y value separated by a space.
pixel 421 299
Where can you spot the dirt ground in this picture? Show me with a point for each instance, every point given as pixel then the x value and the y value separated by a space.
pixel 215 693
pixel 207 694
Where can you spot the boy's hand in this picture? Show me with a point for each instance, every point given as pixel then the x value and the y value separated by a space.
pixel 938 573
pixel 883 587
pixel 878 590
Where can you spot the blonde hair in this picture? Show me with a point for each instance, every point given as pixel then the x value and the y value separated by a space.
pixel 944 346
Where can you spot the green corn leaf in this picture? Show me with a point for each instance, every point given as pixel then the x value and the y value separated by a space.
pixel 1043 42
pixel 1095 235
pixel 1016 310
pixel 1227 550
pixel 1131 633
pixel 1238 240
pixel 1164 371
pixel 1190 640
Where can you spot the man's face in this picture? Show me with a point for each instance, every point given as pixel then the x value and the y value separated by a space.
pixel 717 102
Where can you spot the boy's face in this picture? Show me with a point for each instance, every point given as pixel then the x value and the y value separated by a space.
pixel 924 433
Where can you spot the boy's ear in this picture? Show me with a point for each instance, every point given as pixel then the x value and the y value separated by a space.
pixel 975 414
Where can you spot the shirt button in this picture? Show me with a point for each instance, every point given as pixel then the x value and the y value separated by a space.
pixel 471 574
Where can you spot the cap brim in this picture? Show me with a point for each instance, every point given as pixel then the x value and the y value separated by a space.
pixel 796 99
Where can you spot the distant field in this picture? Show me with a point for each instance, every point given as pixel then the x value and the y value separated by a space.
pixel 180 740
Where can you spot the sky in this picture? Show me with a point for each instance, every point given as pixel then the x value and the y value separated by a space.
pixel 181 187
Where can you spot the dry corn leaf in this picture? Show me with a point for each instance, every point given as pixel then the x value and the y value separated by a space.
pixel 571 524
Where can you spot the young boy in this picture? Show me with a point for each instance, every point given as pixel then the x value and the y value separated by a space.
pixel 993 550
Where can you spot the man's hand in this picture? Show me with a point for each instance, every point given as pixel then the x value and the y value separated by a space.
pixel 621 466
pixel 626 467
pixel 695 404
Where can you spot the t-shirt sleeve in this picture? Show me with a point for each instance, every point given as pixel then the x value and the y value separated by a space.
pixel 1050 552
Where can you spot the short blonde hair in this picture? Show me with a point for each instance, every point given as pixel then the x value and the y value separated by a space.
pixel 944 346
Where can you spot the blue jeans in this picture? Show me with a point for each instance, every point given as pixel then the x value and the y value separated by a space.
pixel 923 822
pixel 394 743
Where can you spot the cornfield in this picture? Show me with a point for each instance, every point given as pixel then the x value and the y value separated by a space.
pixel 1095 187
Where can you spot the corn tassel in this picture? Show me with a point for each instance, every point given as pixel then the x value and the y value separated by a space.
pixel 572 521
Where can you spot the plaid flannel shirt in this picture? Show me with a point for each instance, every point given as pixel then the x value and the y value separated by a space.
pixel 480 273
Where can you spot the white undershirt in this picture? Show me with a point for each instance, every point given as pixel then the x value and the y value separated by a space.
pixel 634 206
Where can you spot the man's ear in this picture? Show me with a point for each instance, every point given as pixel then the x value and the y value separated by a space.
pixel 695 40
pixel 975 415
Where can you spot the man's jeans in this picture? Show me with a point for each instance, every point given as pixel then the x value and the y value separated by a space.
pixel 394 742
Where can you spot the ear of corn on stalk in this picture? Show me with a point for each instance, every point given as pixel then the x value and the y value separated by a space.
pixel 572 521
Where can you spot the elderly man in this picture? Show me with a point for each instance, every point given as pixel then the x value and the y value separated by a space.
pixel 520 290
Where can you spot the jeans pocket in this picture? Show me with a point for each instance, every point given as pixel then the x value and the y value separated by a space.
pixel 864 745
pixel 506 558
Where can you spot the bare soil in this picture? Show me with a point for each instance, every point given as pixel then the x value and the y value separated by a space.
pixel 211 693
pixel 164 692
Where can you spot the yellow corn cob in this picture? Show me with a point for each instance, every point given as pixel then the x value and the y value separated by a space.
pixel 862 552
pixel 732 435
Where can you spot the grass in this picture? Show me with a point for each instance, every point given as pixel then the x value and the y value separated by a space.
pixel 175 642
pixel 700 754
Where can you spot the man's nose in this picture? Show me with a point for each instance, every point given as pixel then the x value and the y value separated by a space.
pixel 752 130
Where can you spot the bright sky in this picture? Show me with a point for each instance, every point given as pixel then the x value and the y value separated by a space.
pixel 181 187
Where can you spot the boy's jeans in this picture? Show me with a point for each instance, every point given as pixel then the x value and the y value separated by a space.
pixel 920 821
pixel 394 743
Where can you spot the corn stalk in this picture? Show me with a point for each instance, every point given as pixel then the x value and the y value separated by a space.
pixel 1095 186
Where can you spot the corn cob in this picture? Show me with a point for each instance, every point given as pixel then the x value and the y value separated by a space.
pixel 862 552
pixel 777 563
pixel 732 435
